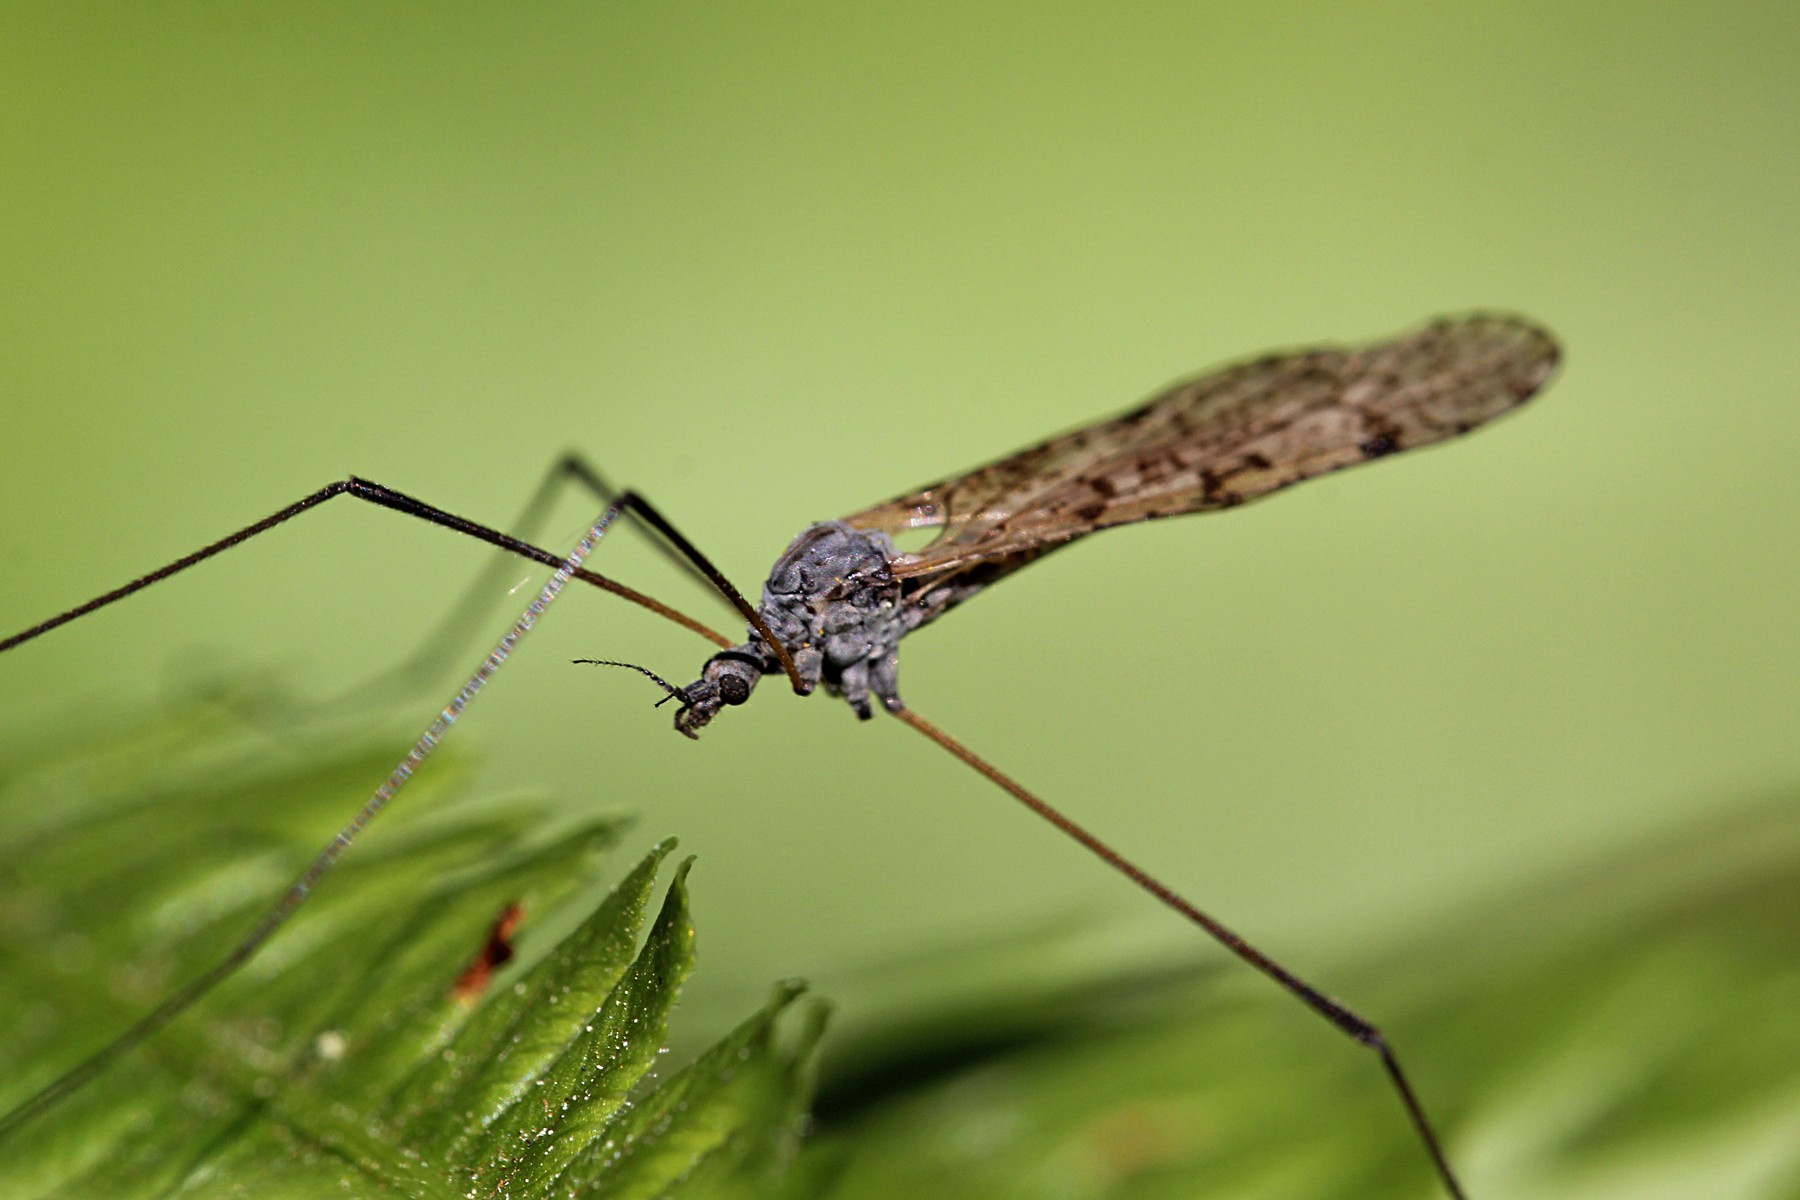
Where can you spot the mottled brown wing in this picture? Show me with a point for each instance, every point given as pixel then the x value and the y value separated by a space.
pixel 1227 438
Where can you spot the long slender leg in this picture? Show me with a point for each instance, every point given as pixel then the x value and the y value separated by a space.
pixel 386 497
pixel 298 892
pixel 632 502
pixel 628 502
pixel 1347 1021
pixel 442 646
pixel 577 467
pixel 437 649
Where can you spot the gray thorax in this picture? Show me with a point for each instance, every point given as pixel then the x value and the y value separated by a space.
pixel 836 607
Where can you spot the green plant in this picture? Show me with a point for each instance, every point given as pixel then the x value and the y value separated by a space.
pixel 1624 1030
pixel 366 1051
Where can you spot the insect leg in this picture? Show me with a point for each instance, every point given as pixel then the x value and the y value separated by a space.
pixel 439 649
pixel 671 542
pixel 1351 1024
pixel 386 497
pixel 576 466
pixel 279 913
pixel 632 502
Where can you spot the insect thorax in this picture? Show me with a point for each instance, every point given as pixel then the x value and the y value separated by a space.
pixel 833 603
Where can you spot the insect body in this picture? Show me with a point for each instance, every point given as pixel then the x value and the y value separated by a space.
pixel 840 598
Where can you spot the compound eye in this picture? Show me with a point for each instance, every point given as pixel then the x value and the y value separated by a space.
pixel 733 689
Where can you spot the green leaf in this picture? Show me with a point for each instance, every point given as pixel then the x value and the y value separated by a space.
pixel 499 1053
pixel 351 1057
pixel 587 1084
pixel 727 1117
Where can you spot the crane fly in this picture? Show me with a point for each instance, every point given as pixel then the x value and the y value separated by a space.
pixel 842 596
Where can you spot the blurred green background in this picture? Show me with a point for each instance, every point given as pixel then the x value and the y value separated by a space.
pixel 773 263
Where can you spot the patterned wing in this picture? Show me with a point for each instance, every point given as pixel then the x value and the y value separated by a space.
pixel 1224 439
